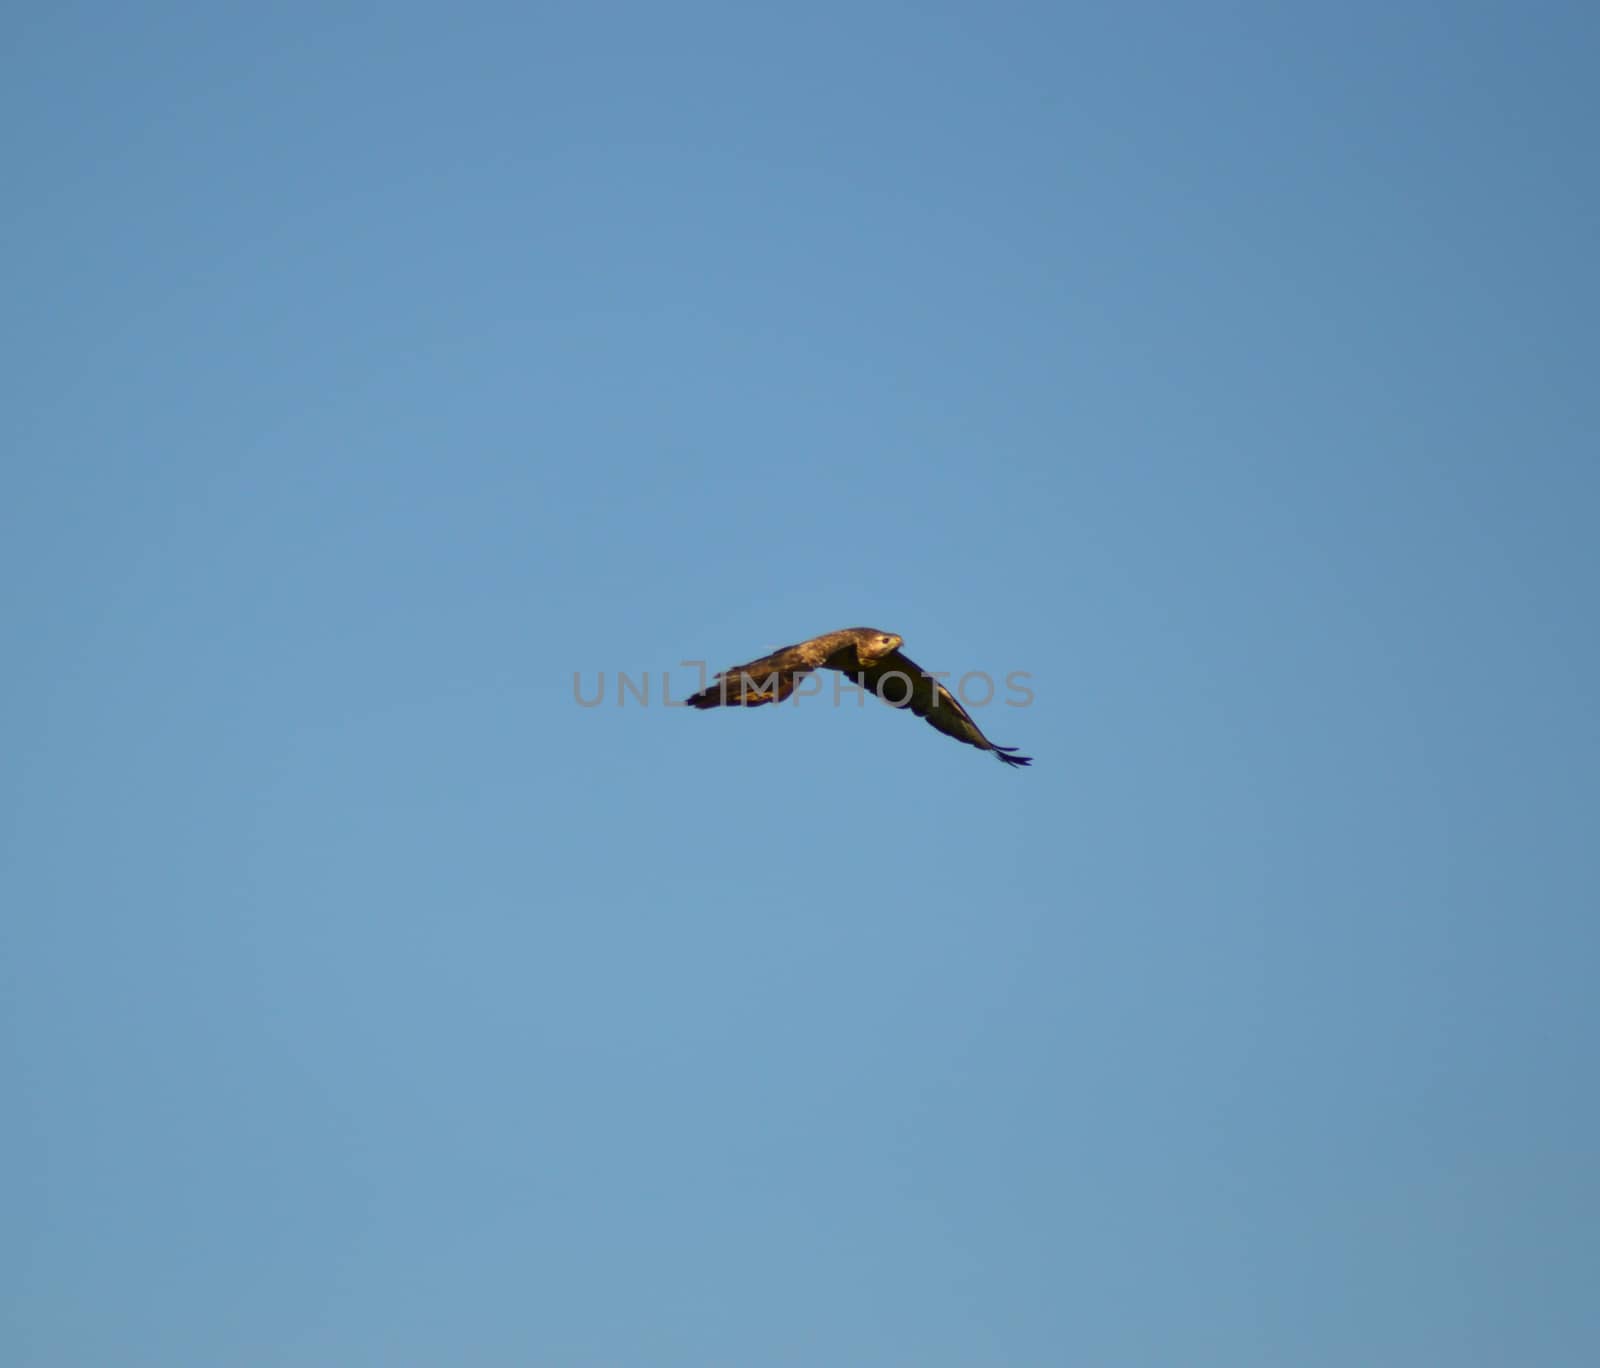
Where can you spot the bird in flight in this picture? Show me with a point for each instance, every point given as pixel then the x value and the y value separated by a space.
pixel 871 659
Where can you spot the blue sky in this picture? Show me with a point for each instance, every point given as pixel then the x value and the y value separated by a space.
pixel 372 371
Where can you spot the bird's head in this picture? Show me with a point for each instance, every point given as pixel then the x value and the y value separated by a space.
pixel 875 645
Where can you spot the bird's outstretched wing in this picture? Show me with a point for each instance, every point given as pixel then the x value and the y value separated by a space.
pixel 768 680
pixel 901 683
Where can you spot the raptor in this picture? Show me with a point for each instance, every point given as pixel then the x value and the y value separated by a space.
pixel 871 659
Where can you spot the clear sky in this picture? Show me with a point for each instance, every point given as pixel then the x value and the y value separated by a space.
pixel 372 370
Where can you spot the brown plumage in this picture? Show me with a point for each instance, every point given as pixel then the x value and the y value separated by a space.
pixel 871 659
